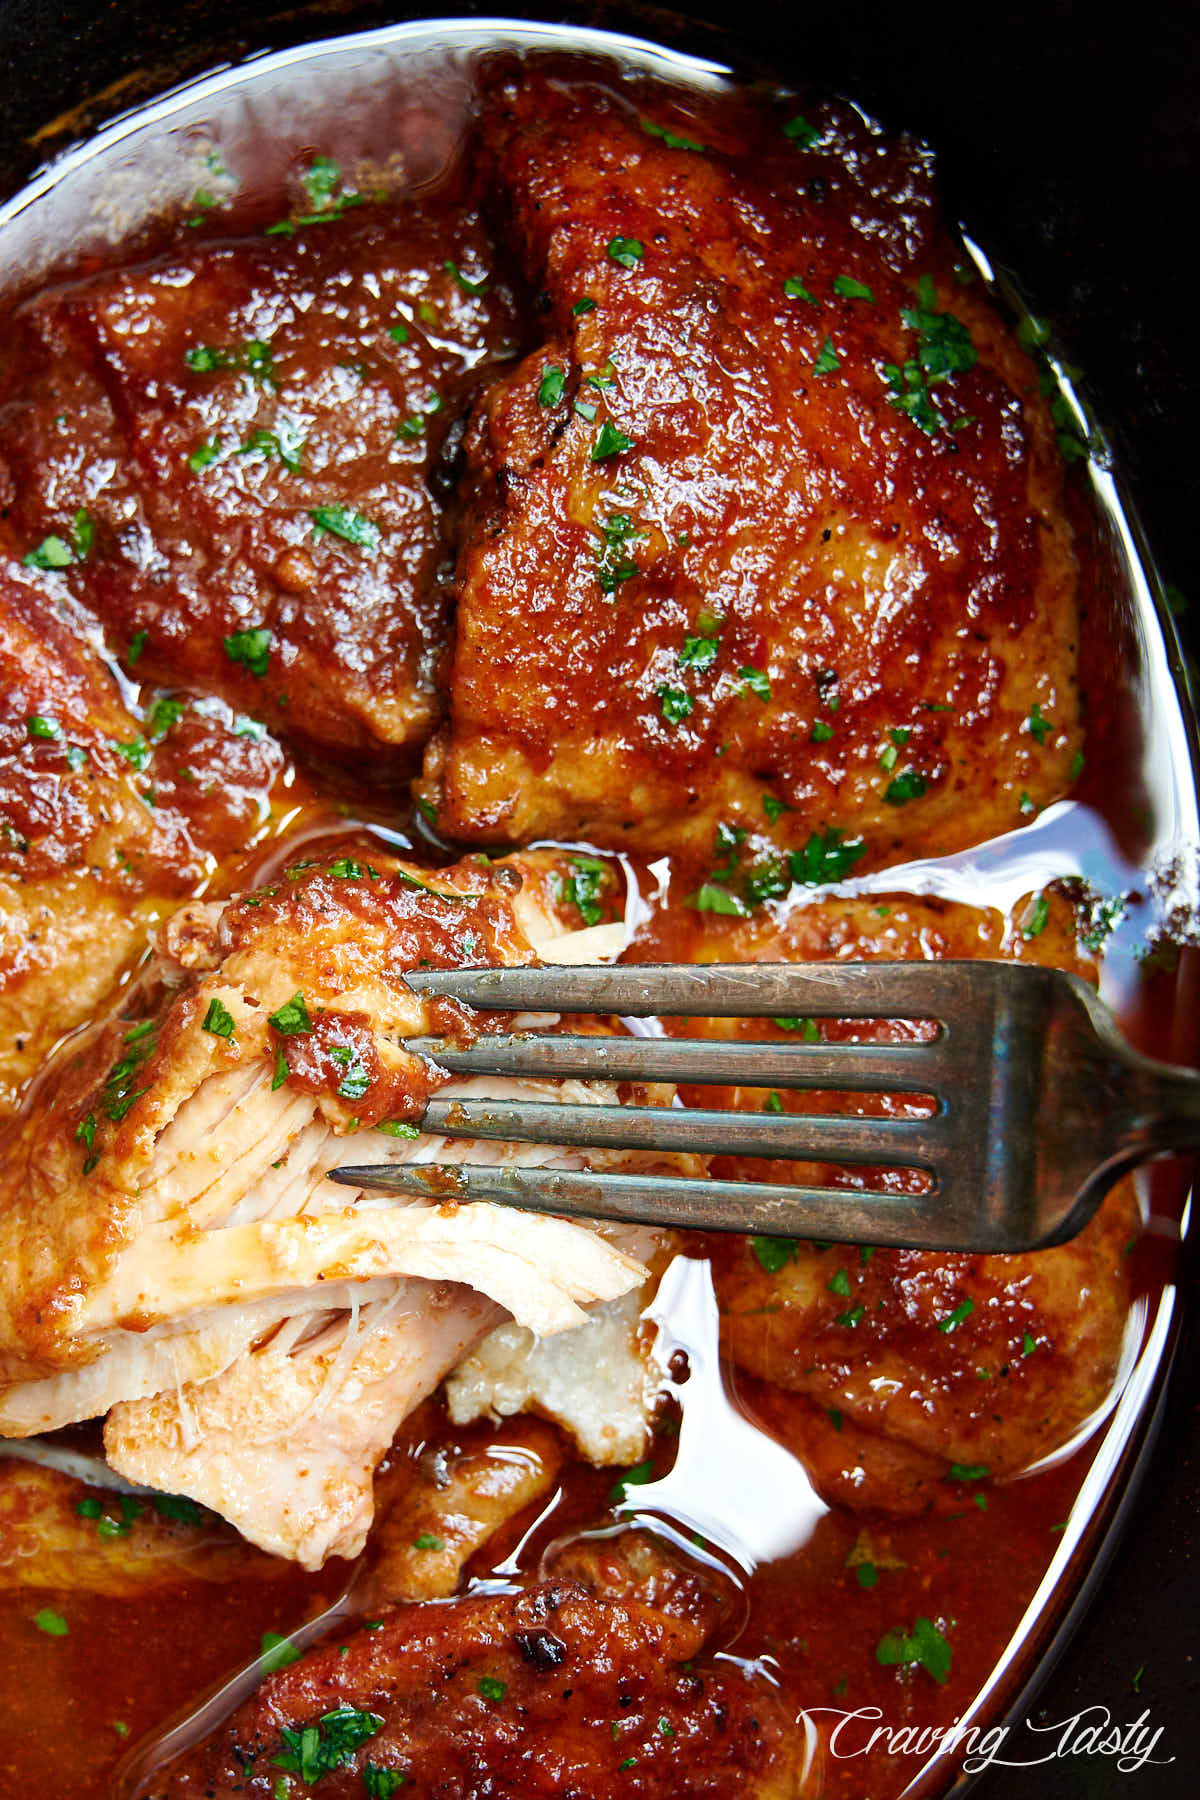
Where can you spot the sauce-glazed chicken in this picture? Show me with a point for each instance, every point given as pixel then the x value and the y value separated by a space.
pixel 174 1253
pixel 107 820
pixel 243 436
pixel 772 530
pixel 552 1692
pixel 756 565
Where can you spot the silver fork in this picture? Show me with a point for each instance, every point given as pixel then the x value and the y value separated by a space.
pixel 1036 1103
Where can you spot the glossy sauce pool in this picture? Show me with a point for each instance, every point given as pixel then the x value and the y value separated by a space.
pixel 808 1619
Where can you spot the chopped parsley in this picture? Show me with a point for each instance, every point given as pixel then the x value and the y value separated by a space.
pixel 204 456
pixel 51 553
pixel 584 887
pixel 137 644
pixel 56 552
pixel 774 808
pixel 1104 916
pixel 1037 917
pixel 698 652
pixel 828 360
pixel 345 523
pixel 85 1134
pixel 953 1320
pixel 38 727
pixel 802 133
pixel 924 1644
pixel 356 1080
pixel 428 1540
pixel 586 305
pixel 281 1070
pixel 808 1030
pixel 316 1750
pixel 218 1020
pixel 614 564
pixel 291 1020
pixel 52 1623
pixel 849 289
pixel 321 181
pixel 711 897
pixel 609 442
pixel 944 348
pixel 671 139
pixel 757 681
pixel 795 289
pixel 251 647
pixel 163 713
pixel 1039 725
pixel 106 1525
pixel 773 1102
pixel 968 1472
pixel 850 1319
pixel 774 1252
pixel 551 386
pixel 285 442
pixel 253 358
pixel 490 1688
pixel 675 704
pixel 627 251
pixel 464 281
pixel 381 1784
pixel 910 785
pixel 277 1652
pixel 398 1128
pixel 825 858
pixel 118 1094
pixel 638 1476
pixel 178 1508
pixel 944 344
pixel 821 732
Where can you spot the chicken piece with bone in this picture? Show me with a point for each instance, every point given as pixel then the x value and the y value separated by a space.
pixel 177 1259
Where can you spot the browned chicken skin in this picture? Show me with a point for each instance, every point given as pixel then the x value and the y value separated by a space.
pixel 553 1691
pixel 763 560
pixel 249 430
pixel 719 574
pixel 909 1362
pixel 107 820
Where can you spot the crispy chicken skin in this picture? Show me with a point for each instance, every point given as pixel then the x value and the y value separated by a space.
pixel 724 572
pixel 925 1360
pixel 174 1253
pixel 105 824
pixel 250 430
pixel 553 1691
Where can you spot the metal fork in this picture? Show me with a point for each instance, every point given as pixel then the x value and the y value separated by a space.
pixel 1037 1104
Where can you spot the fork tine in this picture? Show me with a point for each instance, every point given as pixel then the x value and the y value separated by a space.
pixel 720 990
pixel 838 1215
pixel 914 1068
pixel 806 1137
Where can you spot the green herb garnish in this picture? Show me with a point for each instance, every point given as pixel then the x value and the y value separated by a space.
pixel 609 442
pixel 345 523
pixel 627 251
pixel 218 1020
pixel 849 289
pixel 251 647
pixel 291 1020
pixel 925 1645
